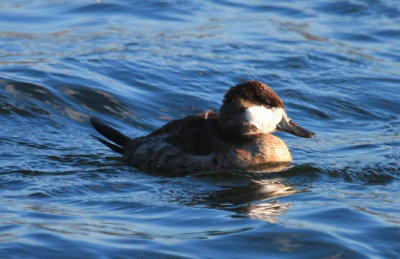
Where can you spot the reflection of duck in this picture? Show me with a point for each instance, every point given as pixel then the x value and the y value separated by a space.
pixel 269 209
pixel 236 138
pixel 242 194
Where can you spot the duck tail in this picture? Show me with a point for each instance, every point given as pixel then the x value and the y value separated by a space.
pixel 119 139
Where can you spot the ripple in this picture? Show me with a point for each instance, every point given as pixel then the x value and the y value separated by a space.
pixel 392 33
pixel 28 99
pixel 342 7
pixel 103 8
pixel 356 37
pixel 138 65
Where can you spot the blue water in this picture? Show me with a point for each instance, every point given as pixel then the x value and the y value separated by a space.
pixel 137 65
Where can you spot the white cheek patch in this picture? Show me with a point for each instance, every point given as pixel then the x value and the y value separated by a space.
pixel 265 119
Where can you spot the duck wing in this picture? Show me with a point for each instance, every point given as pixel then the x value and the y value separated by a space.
pixel 197 134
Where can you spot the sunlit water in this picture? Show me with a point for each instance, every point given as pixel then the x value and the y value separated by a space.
pixel 137 65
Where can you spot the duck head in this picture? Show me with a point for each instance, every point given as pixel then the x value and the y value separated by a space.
pixel 254 108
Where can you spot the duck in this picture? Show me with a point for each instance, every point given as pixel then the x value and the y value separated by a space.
pixel 239 136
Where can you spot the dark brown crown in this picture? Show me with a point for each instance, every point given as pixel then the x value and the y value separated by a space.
pixel 253 92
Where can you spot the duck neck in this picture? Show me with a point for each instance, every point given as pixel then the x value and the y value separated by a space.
pixel 233 123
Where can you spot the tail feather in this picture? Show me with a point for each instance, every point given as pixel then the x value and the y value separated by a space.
pixel 110 145
pixel 110 133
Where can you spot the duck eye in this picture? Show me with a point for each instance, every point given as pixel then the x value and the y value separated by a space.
pixel 291 123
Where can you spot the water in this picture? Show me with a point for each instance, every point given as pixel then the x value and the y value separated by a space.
pixel 137 65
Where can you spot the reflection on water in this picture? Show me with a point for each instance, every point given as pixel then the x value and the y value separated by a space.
pixel 140 64
pixel 269 208
pixel 253 193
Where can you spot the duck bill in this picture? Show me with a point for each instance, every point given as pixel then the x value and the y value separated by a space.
pixel 287 125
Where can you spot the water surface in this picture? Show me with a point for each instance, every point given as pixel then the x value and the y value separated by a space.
pixel 137 65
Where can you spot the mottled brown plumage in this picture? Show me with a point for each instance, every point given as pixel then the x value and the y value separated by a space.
pixel 230 139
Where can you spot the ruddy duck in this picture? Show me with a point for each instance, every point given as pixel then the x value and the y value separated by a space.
pixel 237 137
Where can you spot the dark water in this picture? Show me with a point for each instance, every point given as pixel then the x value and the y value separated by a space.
pixel 335 64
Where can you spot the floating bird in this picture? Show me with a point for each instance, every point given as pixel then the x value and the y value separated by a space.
pixel 238 137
